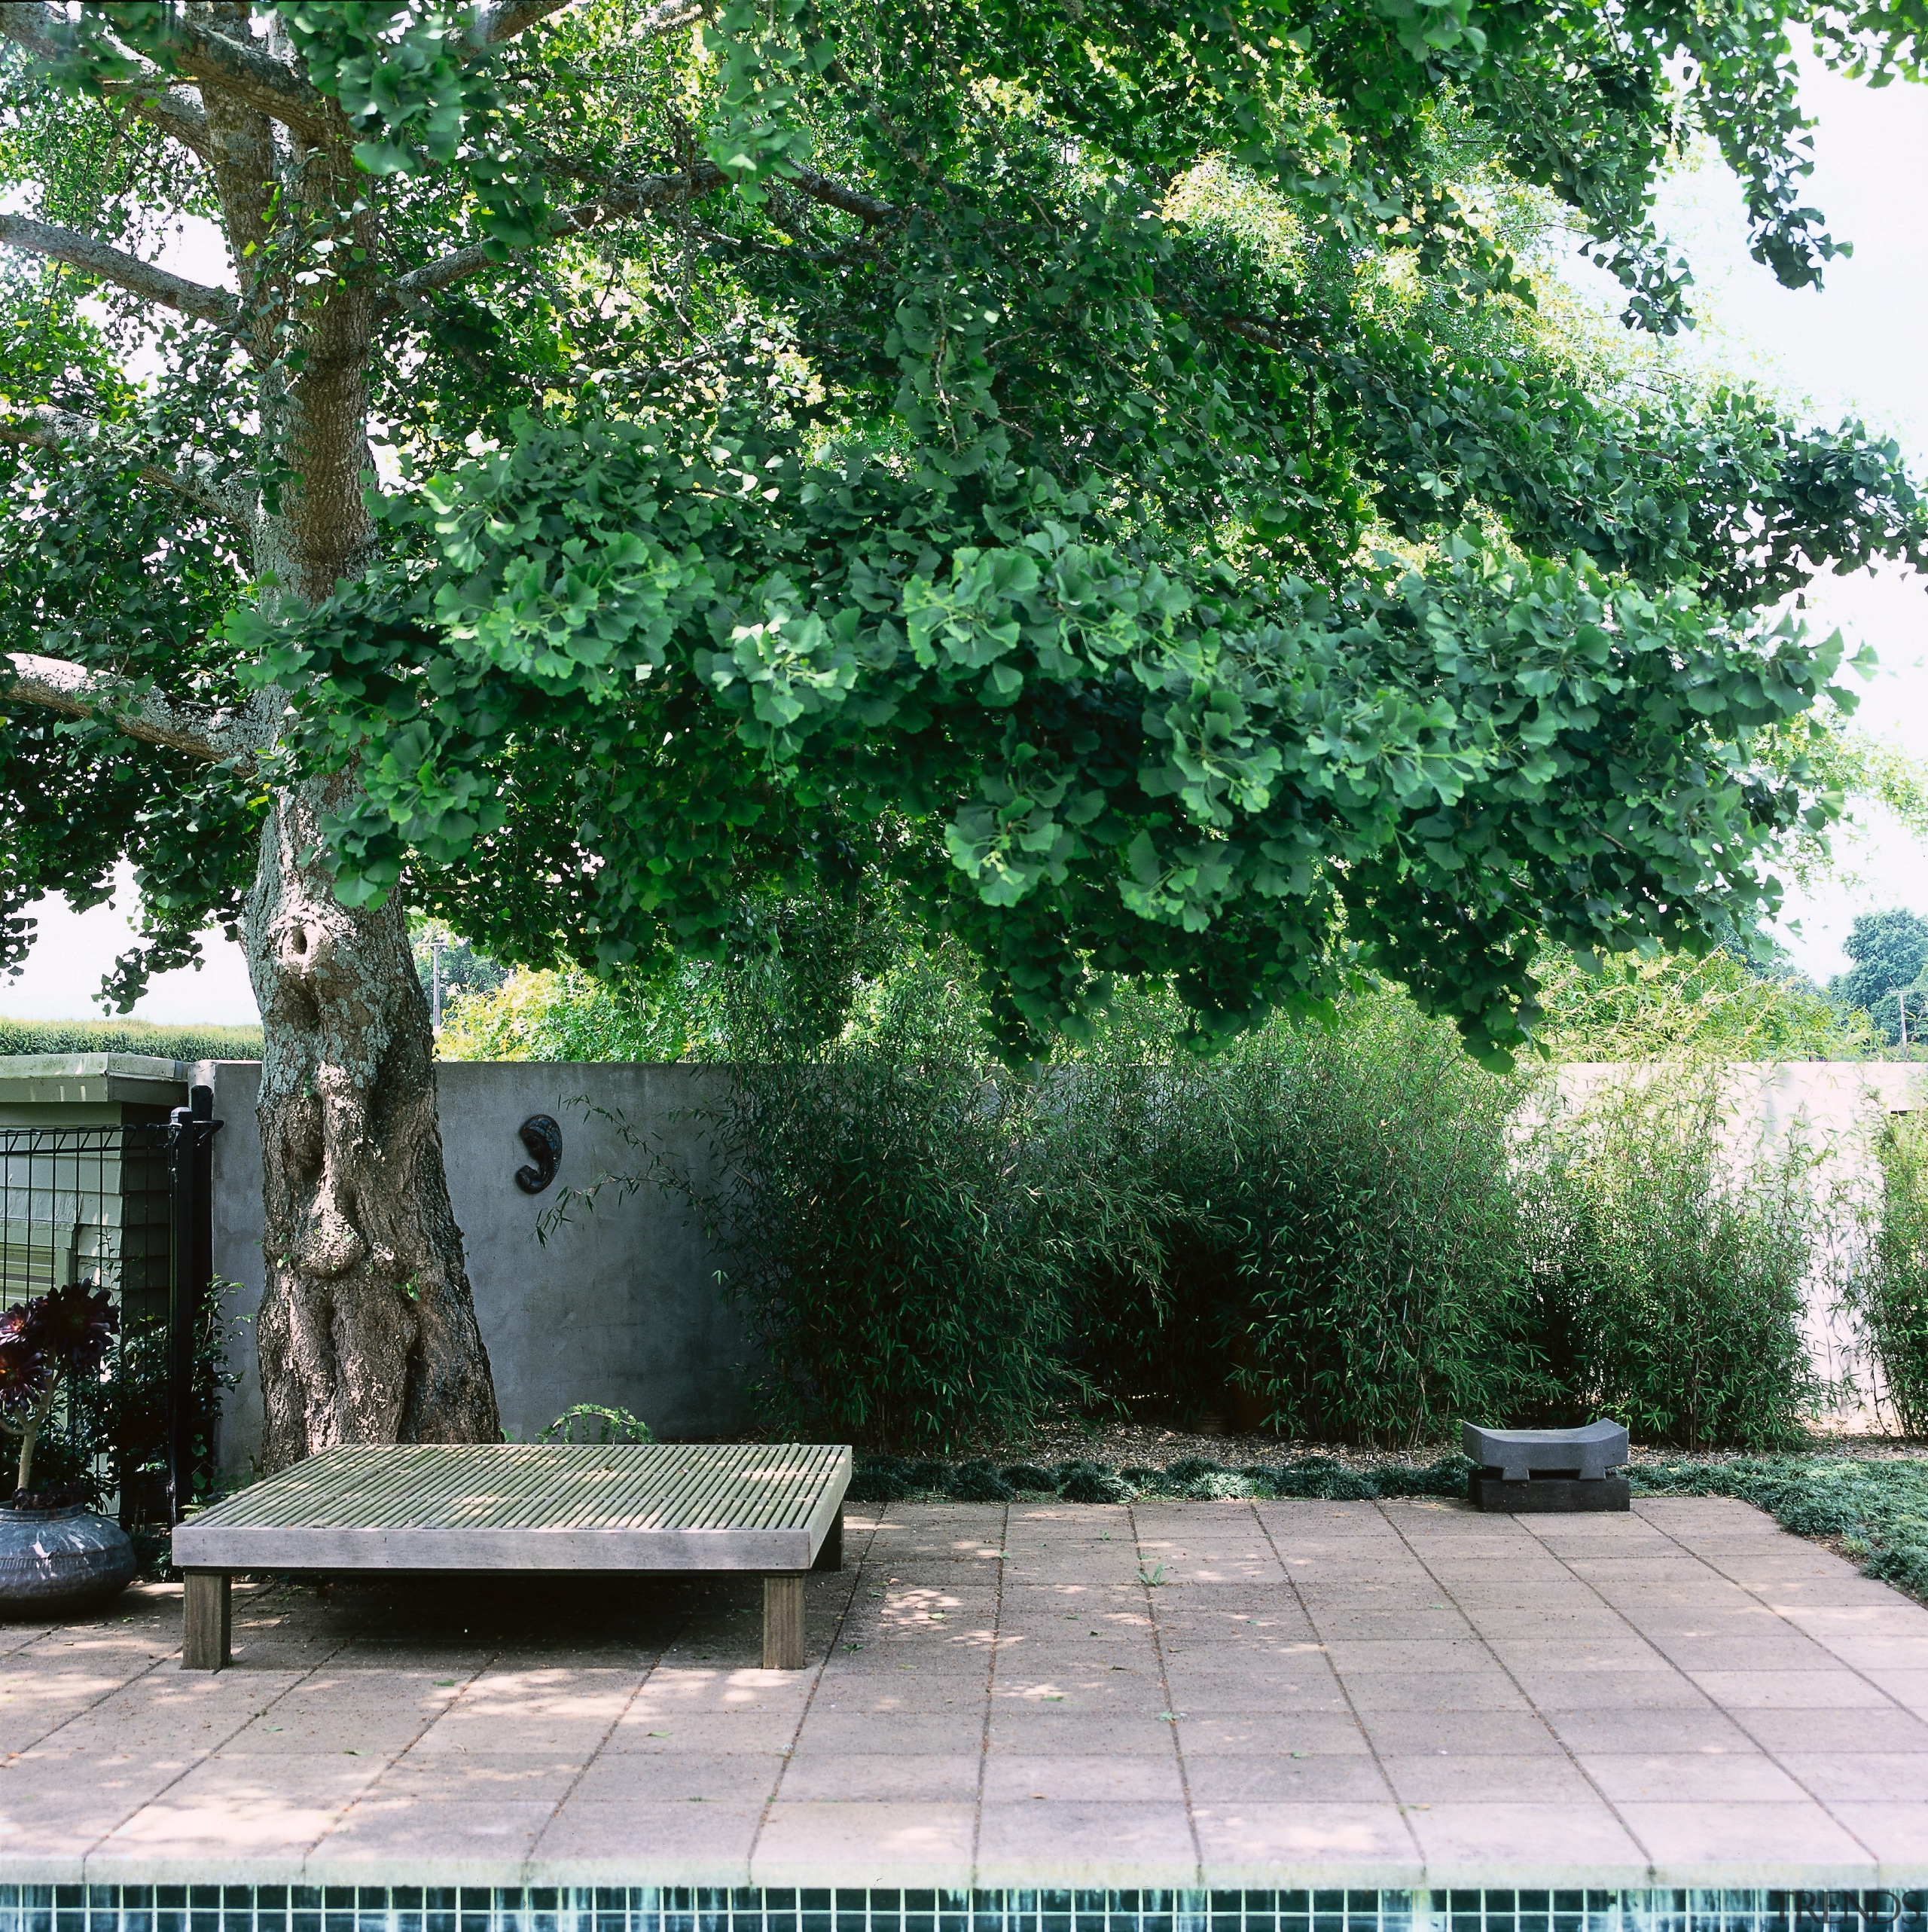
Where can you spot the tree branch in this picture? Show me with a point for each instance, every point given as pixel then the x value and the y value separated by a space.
pixel 34 25
pixel 209 59
pixel 280 91
pixel 666 16
pixel 617 202
pixel 175 111
pixel 635 197
pixel 820 188
pixel 130 272
pixel 52 683
pixel 192 475
pixel 501 22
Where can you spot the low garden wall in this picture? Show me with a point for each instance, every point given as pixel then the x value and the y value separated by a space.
pixel 619 1304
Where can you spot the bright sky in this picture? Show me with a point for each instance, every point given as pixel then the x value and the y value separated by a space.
pixel 1857 347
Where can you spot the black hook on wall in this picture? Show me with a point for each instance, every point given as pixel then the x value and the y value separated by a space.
pixel 543 1140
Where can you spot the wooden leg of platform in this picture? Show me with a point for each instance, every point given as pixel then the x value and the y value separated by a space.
pixel 206 1625
pixel 783 1623
pixel 831 1556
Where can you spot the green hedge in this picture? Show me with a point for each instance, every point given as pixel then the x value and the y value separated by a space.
pixel 1671 1289
pixel 1341 1230
pixel 1323 1234
pixel 1888 1293
pixel 129 1036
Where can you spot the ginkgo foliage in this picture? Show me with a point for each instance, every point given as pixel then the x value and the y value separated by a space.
pixel 1096 466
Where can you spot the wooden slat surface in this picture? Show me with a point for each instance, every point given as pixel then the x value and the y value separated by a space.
pixel 431 1506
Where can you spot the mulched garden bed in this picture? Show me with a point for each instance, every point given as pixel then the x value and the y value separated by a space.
pixel 1152 1446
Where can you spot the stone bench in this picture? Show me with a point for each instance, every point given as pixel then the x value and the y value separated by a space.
pixel 1547 1469
pixel 653 1509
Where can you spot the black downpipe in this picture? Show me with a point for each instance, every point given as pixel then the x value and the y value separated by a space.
pixel 190 1135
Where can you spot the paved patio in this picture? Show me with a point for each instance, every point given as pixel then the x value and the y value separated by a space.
pixel 1218 1695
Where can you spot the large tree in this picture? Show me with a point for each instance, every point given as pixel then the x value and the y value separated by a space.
pixel 1091 461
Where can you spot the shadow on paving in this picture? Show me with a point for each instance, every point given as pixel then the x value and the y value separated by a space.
pixel 719 1617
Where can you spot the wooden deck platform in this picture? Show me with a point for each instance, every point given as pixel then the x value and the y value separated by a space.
pixel 636 1507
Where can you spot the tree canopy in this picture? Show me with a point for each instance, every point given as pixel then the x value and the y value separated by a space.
pixel 1094 466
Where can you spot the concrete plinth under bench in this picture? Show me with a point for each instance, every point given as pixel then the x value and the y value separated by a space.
pixel 1550 1495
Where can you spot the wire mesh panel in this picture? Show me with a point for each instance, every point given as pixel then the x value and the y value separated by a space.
pixel 96 1204
pixel 35 1256
pixel 78 1204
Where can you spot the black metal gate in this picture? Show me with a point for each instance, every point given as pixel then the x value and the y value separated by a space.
pixel 128 1208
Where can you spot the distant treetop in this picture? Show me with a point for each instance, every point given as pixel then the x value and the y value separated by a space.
pixel 1889 950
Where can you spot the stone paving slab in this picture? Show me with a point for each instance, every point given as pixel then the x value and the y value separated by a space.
pixel 1276 1694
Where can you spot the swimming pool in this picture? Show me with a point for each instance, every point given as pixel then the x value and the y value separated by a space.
pixel 669 1909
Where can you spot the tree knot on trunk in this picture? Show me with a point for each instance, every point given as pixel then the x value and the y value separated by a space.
pixel 330 1243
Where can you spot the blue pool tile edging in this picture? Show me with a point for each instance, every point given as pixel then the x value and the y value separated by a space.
pixel 26 1908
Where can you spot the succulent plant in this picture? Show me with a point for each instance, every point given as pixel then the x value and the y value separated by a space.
pixel 65 1333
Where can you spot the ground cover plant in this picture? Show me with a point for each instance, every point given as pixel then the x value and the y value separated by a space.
pixel 1878 1508
pixel 1107 476
pixel 887 1478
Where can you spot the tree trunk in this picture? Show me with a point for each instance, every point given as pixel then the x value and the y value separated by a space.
pixel 367 1331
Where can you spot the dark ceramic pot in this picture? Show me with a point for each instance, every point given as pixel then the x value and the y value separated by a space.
pixel 55 1561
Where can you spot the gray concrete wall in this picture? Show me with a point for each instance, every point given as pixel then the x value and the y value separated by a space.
pixel 618 1305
